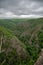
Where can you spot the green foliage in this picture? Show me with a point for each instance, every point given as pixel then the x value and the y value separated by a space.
pixel 27 32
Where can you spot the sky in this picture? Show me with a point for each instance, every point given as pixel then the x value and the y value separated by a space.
pixel 21 8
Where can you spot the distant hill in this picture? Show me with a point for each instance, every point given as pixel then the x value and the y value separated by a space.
pixel 21 41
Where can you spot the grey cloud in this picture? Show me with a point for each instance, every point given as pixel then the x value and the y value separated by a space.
pixel 22 7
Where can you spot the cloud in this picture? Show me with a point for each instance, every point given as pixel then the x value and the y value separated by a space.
pixel 39 9
pixel 23 8
pixel 6 14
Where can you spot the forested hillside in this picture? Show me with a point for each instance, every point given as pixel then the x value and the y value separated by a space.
pixel 21 41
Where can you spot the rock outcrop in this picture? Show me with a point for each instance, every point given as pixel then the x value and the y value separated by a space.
pixel 40 59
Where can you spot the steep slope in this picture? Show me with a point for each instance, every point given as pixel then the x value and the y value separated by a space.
pixel 10 44
pixel 23 41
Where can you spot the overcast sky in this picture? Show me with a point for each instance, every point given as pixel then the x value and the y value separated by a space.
pixel 21 8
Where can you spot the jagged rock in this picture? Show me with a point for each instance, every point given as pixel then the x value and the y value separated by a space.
pixel 40 59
